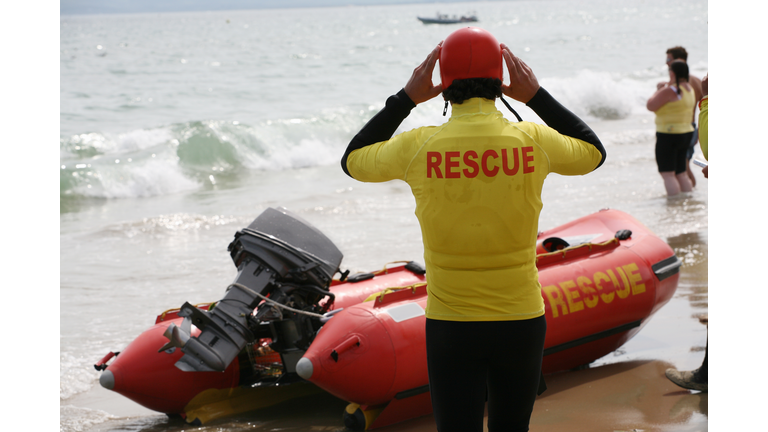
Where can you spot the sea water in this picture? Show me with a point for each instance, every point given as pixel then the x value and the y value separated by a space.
pixel 178 129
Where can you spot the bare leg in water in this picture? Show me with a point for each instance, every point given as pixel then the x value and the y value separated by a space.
pixel 676 183
pixel 689 173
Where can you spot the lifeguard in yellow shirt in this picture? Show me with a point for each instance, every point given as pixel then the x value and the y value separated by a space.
pixel 477 181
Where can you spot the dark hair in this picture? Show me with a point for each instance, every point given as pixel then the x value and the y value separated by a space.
pixel 678 53
pixel 680 68
pixel 463 89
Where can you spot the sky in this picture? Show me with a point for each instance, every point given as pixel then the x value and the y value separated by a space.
pixel 81 7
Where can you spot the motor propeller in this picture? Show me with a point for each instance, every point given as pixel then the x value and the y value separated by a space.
pixel 178 336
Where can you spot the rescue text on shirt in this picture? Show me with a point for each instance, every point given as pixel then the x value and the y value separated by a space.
pixel 448 162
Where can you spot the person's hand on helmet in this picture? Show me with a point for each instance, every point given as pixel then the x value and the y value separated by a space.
pixel 420 88
pixel 523 84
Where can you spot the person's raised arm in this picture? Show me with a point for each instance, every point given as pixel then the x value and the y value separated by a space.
pixel 384 124
pixel 662 96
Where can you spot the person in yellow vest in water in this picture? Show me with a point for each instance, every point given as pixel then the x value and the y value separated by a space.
pixel 674 106
pixel 477 181
pixel 679 53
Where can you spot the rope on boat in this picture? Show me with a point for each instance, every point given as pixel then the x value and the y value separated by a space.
pixel 385 270
pixel 274 303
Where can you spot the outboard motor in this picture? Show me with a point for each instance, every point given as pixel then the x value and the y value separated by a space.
pixel 285 267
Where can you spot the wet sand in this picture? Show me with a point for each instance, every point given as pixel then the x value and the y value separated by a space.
pixel 624 391
pixel 625 396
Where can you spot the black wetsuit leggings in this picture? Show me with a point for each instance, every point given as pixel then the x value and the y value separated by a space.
pixel 466 359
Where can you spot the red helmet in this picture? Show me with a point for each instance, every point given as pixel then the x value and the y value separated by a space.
pixel 470 52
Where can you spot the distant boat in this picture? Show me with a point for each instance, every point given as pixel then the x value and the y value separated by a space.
pixel 446 19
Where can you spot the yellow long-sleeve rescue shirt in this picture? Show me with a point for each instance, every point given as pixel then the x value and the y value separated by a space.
pixel 477 181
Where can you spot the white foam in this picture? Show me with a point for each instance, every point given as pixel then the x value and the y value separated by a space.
pixel 96 141
pixel 77 419
pixel 109 144
pixel 75 377
pixel 150 178
pixel 142 139
pixel 601 95
pixel 307 153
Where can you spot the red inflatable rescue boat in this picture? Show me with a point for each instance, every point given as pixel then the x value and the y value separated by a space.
pixel 255 379
pixel 285 292
pixel 602 276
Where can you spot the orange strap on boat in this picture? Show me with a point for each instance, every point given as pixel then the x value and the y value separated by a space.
pixel 385 270
pixel 556 256
pixel 380 295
